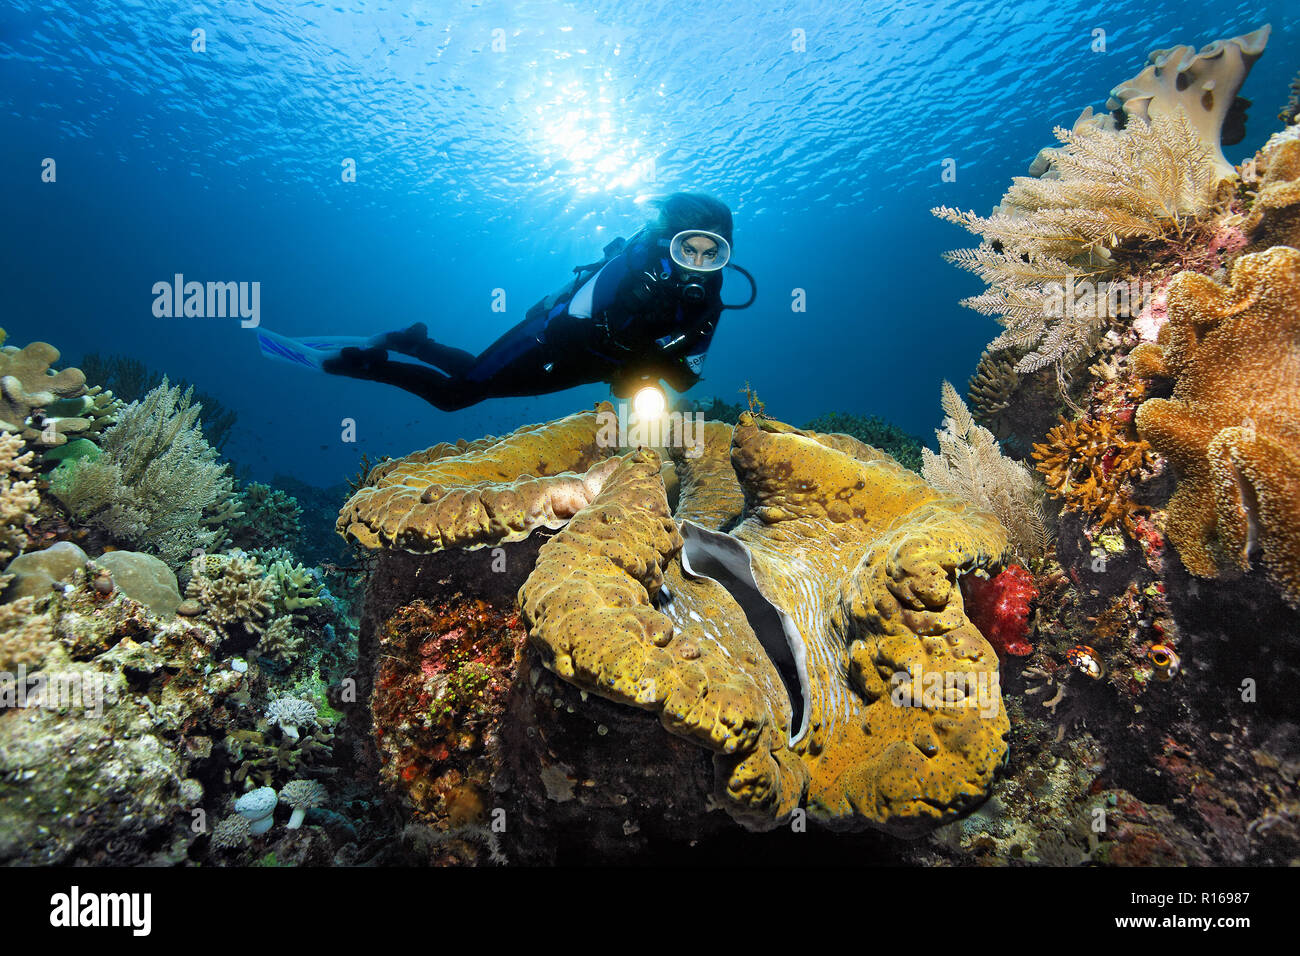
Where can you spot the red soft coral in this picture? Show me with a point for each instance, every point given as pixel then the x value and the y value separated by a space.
pixel 999 607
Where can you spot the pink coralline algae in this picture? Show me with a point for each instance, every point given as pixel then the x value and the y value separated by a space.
pixel 999 607
pixel 1152 317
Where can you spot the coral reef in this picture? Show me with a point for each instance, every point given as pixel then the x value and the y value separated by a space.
pixel 1093 468
pixel 1232 424
pixel 154 481
pixel 623 604
pixel 102 733
pixel 268 518
pixel 970 466
pixel 1154 181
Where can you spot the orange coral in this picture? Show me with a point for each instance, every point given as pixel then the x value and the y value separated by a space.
pixel 1232 426
pixel 1090 465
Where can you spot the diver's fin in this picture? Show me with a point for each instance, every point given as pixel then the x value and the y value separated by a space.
pixel 310 351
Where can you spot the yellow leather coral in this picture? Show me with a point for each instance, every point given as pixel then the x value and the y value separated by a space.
pixel 1232 426
pixel 1274 218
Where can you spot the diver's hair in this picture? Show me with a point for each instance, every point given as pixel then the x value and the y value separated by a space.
pixel 681 211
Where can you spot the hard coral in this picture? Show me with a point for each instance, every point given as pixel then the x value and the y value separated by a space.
pixel 233 590
pixel 777 636
pixel 18 496
pixel 1232 426
pixel 1091 466
pixel 267 518
pixel 28 384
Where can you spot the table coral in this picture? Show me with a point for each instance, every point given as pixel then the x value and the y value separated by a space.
pixel 792 625
pixel 1232 424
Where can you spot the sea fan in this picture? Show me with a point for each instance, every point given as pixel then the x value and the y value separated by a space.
pixel 970 465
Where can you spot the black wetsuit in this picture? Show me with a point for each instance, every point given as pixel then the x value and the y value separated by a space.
pixel 639 326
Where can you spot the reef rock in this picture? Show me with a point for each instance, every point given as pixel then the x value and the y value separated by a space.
pixel 1231 429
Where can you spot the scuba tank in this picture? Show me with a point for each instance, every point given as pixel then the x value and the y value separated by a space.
pixel 581 274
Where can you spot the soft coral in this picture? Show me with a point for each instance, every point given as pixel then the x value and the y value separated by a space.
pixel 999 607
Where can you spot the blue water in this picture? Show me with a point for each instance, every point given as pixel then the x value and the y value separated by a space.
pixel 482 170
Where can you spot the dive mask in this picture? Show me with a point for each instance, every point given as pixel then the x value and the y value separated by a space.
pixel 697 253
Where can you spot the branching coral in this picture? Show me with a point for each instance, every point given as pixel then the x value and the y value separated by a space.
pixel 18 496
pixel 268 518
pixel 1148 181
pixel 1091 467
pixel 296 589
pixel 154 480
pixel 970 465
pixel 1231 429
pixel 281 640
pixel 233 591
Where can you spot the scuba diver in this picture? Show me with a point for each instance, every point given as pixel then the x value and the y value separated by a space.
pixel 647 311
